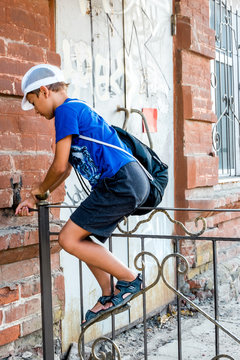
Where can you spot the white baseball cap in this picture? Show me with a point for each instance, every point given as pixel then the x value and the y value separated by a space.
pixel 37 76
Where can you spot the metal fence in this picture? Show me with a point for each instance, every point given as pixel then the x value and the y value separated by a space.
pixel 181 269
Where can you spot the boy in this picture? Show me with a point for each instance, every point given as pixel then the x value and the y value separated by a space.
pixel 119 185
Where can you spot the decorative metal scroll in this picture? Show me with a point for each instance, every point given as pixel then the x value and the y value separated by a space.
pixel 222 356
pixel 182 270
pixel 216 137
pixel 204 224
pixel 113 348
pixel 227 23
pixel 179 294
pixel 140 267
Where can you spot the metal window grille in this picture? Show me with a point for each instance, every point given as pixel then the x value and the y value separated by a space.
pixel 225 85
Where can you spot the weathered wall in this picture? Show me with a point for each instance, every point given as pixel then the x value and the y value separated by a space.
pixel 109 64
pixel 26 151
pixel 196 165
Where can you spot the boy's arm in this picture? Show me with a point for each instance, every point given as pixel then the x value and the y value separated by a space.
pixel 57 173
pixel 59 170
pixel 62 178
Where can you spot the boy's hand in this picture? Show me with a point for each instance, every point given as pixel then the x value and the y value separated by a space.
pixel 23 207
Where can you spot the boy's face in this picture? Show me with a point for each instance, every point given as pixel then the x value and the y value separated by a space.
pixel 42 103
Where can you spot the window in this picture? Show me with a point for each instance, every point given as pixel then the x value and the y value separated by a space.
pixel 225 86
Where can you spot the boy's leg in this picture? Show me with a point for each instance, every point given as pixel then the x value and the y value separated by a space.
pixel 73 239
pixel 100 261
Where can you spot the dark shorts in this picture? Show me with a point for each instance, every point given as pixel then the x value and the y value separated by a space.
pixel 111 200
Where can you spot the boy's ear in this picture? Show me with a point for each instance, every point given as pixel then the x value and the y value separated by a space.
pixel 44 90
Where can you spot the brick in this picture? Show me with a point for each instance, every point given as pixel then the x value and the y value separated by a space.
pixel 35 38
pixel 31 237
pixel 59 288
pixel 35 125
pixel 25 52
pixel 31 177
pixel 10 272
pixel 21 18
pixel 197 283
pixel 32 325
pixel 29 142
pixel 198 137
pixel 201 171
pixel 9 335
pixel 5 181
pixel 5 163
pixel 53 58
pixel 10 107
pixel 6 86
pixel 3 13
pixel 1 317
pixel 45 143
pixel 187 102
pixel 19 254
pixel 8 296
pixel 36 6
pixel 10 142
pixel 2 47
pixel 55 261
pixel 10 240
pixel 10 31
pixel 195 70
pixel 20 311
pixel 9 123
pixel 184 33
pixel 30 288
pixel 6 198
pixel 41 24
pixel 13 67
pixel 32 162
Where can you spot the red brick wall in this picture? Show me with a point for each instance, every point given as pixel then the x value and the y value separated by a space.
pixel 26 151
pixel 196 166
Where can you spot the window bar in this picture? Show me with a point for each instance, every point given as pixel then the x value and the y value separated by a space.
pixel 144 304
pixel 215 67
pixel 227 92
pixel 238 81
pixel 233 96
pixel 46 281
pixel 81 302
pixel 220 92
pixel 179 323
pixel 228 125
pixel 216 297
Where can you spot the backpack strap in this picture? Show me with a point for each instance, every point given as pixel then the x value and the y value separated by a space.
pixel 110 145
pixel 118 148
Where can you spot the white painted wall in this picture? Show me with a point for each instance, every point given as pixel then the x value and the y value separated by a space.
pixel 149 75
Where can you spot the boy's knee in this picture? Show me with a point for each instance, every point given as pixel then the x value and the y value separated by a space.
pixel 64 242
pixel 61 239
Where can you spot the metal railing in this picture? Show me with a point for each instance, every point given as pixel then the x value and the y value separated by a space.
pixel 181 270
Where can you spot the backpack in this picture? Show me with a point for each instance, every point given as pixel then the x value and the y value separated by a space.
pixel 154 168
pixel 151 162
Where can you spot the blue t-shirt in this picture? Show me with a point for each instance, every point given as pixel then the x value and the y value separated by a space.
pixel 93 161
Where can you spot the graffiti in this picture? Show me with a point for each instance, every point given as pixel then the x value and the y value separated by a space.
pixel 98 67
pixel 74 198
pixel 107 6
